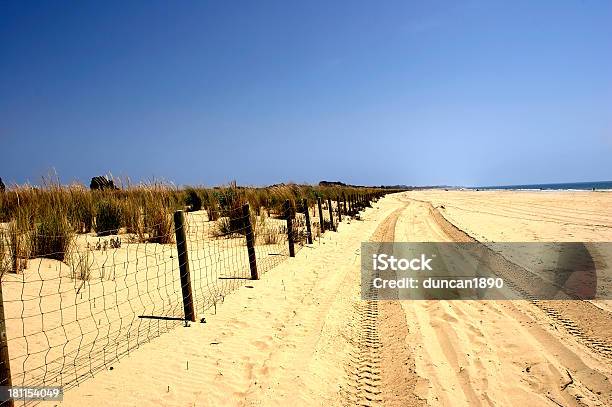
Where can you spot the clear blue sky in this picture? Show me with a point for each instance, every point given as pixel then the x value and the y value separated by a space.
pixel 429 92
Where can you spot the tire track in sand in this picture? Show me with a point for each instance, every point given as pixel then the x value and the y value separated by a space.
pixel 584 321
pixel 380 368
pixel 493 353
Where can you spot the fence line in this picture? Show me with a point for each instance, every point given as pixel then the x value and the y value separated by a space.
pixel 70 314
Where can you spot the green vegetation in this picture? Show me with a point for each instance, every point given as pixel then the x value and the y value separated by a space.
pixel 108 217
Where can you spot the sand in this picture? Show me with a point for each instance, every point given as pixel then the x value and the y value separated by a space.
pixel 502 352
pixel 302 335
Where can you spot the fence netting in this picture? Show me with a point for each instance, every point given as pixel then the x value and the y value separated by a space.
pixel 218 254
pixel 74 312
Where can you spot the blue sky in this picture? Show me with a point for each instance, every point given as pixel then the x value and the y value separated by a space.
pixel 430 92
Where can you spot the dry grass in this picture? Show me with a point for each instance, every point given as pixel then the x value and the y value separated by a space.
pixel 41 221
pixel 79 203
pixel 5 260
pixel 52 236
pixel 80 263
pixel 266 234
pixel 19 241
pixel 158 223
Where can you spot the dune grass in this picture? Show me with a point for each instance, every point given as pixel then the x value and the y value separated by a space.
pixel 42 221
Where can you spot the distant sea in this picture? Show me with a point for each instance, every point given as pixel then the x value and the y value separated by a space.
pixel 566 186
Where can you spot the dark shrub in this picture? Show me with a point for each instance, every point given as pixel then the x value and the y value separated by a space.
pixel 108 218
pixel 193 200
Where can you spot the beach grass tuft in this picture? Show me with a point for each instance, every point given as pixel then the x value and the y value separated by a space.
pixel 108 217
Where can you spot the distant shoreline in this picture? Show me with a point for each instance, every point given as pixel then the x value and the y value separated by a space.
pixel 571 186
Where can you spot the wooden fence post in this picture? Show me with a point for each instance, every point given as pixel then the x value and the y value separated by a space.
pixel 331 214
pixel 250 241
pixel 5 365
pixel 183 259
pixel 289 228
pixel 308 231
pixel 339 210
pixel 321 223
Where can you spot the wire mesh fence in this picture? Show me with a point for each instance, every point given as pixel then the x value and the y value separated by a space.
pixel 70 314
pixel 218 251
pixel 73 311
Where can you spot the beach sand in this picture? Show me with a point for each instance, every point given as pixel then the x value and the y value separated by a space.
pixel 302 335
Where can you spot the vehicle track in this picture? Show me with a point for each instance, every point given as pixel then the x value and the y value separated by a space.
pixel 380 369
pixel 533 217
pixel 587 323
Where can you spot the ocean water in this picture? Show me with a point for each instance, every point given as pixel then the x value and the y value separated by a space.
pixel 563 186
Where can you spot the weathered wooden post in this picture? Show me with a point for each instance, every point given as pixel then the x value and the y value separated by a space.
pixel 307 214
pixel 183 259
pixel 289 228
pixel 339 210
pixel 250 241
pixel 331 214
pixel 321 222
pixel 5 365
